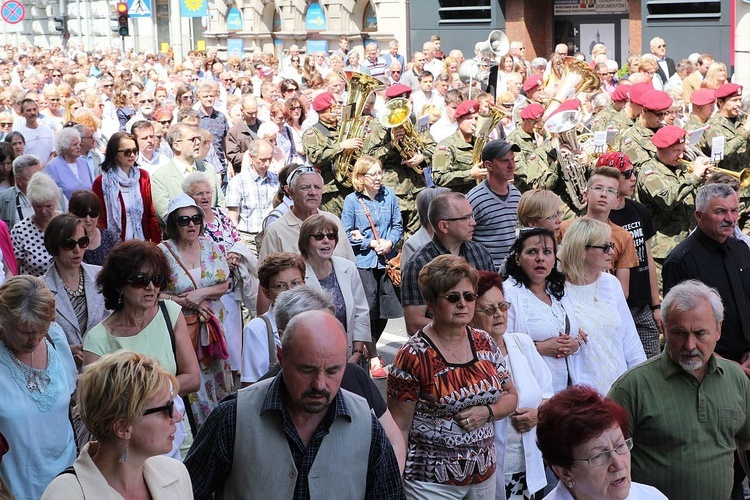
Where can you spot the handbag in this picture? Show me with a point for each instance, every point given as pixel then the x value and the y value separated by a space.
pixel 392 266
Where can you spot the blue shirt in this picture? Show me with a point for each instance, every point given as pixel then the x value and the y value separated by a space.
pixel 386 215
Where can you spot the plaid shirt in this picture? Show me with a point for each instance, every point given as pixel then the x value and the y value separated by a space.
pixel 253 196
pixel 209 461
pixel 475 254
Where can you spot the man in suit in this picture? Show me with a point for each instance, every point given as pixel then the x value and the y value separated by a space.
pixel 166 182
pixel 666 64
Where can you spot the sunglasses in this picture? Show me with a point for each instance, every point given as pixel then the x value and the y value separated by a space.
pixel 293 108
pixel 454 297
pixel 606 248
pixel 330 236
pixel 187 97
pixel 128 152
pixel 166 122
pixel 6 124
pixel 144 101
pixel 628 173
pixel 169 408
pixel 69 243
pixel 91 213
pixel 492 309
pixel 56 75
pixel 141 280
pixel 185 220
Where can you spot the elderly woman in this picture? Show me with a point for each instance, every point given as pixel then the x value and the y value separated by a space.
pixel 124 192
pixel 128 402
pixel 38 375
pixel 70 170
pixel 278 273
pixel 613 344
pixel 372 220
pixel 78 303
pixel 541 208
pixel 445 389
pixel 86 206
pixel 518 456
pixel 130 282
pixel 28 235
pixel 198 278
pixel 583 437
pixel 318 237
pixel 7 155
pixel 18 142
pixel 541 308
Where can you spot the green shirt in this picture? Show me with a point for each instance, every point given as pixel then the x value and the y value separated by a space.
pixel 684 431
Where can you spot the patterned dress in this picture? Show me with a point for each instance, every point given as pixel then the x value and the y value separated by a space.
pixel 216 377
pixel 439 449
pixel 28 244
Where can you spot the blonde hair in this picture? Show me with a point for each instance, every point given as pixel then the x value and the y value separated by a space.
pixel 573 250
pixel 537 204
pixel 25 300
pixel 363 164
pixel 431 110
pixel 117 387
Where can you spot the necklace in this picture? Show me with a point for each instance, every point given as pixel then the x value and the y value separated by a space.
pixel 36 379
pixel 78 292
pixel 437 337
pixel 595 292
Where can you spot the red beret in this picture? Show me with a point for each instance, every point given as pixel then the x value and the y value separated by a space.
pixel 637 90
pixel 668 136
pixel 701 97
pixel 531 82
pixel 466 108
pixel 569 105
pixel 532 111
pixel 728 90
pixel 621 92
pixel 398 90
pixel 323 101
pixel 656 100
pixel 615 159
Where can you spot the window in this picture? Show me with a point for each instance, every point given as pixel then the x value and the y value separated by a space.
pixel 680 10
pixel 465 11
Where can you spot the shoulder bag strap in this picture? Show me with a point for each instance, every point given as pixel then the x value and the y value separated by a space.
pixel 168 321
pixel 369 217
pixel 187 271
pixel 271 343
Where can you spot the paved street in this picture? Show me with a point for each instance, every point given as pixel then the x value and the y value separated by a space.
pixel 393 337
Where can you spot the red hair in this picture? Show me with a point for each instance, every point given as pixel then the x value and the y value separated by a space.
pixel 487 280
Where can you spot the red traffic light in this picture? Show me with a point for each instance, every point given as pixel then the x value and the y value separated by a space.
pixel 122 8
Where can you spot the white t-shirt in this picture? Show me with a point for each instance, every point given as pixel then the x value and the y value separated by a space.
pixel 40 141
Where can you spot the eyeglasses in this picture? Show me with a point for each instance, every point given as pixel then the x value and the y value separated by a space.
pixel 166 122
pixel 603 458
pixel 7 124
pixel 293 108
pixel 375 175
pixel 129 151
pixel 108 85
pixel 169 408
pixel 187 97
pixel 492 309
pixel 292 89
pixel 602 189
pixel 454 297
pixel 661 46
pixel 56 75
pixel 556 215
pixel 189 139
pixel 659 115
pixel 628 173
pixel 464 217
pixel 185 220
pixel 144 101
pixel 330 236
pixel 302 170
pixel 141 280
pixel 69 243
pixel 91 213
pixel 606 248
pixel 283 287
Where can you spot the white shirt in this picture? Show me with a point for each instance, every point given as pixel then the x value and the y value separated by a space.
pixel 443 129
pixel 40 141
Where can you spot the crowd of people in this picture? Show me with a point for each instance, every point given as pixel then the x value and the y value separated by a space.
pixel 198 262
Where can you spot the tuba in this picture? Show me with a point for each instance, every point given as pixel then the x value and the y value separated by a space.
pixel 485 125
pixel 398 114
pixel 355 125
pixel 564 124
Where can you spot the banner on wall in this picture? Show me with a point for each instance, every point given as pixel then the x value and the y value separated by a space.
pixel 234 19
pixel 235 47
pixel 317 46
pixel 315 18
pixel 590 7
pixel 193 8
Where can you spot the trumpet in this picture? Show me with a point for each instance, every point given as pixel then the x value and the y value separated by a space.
pixel 743 175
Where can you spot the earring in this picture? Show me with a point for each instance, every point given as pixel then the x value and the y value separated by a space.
pixel 119 299
pixel 570 483
pixel 124 456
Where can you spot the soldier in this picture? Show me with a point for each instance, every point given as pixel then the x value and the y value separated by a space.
pixel 668 190
pixel 405 176
pixel 726 123
pixel 630 112
pixel 452 165
pixel 535 163
pixel 322 149
pixel 602 120
pixel 636 141
pixel 534 88
pixel 703 107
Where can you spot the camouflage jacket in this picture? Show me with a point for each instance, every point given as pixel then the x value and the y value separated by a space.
pixel 636 143
pixel 535 168
pixel 736 154
pixel 321 149
pixel 451 165
pixel 603 119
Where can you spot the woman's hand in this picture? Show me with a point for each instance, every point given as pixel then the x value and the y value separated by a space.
pixel 472 418
pixel 359 350
pixel 383 247
pixel 356 235
pixel 192 299
pixel 567 345
pixel 233 260
pixel 77 350
pixel 524 419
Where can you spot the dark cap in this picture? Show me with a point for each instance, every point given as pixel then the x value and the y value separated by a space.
pixel 496 148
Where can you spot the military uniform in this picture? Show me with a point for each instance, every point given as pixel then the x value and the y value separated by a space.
pixel 535 167
pixel 736 154
pixel 321 149
pixel 452 162
pixel 692 123
pixel 620 121
pixel 636 143
pixel 405 181
pixel 603 119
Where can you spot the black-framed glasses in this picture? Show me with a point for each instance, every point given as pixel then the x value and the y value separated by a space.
pixel 463 217
pixel 493 308
pixel 6 124
pixel 166 122
pixel 660 114
pixel 169 408
pixel 56 75
pixel 185 220
pixel 606 248
pixel 128 151
pixel 141 280
pixel 144 101
pixel 292 108
pixel 628 173
pixel 454 297
pixel 603 457
pixel 187 97
pixel 91 213
pixel 320 236
pixel 69 124
pixel 283 287
pixel 69 243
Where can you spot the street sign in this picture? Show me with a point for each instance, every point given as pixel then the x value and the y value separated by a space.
pixel 13 12
pixel 139 8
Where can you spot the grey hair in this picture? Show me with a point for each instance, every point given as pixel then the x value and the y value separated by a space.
pixel 687 296
pixel 194 178
pixel 23 162
pixel 42 187
pixel 423 202
pixel 539 62
pixel 177 132
pixel 441 206
pixel 253 148
pixel 267 129
pixel 601 100
pixel 709 192
pixel 65 139
pixel 298 300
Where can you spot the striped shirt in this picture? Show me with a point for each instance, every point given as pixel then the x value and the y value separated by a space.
pixel 496 219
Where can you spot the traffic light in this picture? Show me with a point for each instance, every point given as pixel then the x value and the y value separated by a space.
pixel 122 19
pixel 61 25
